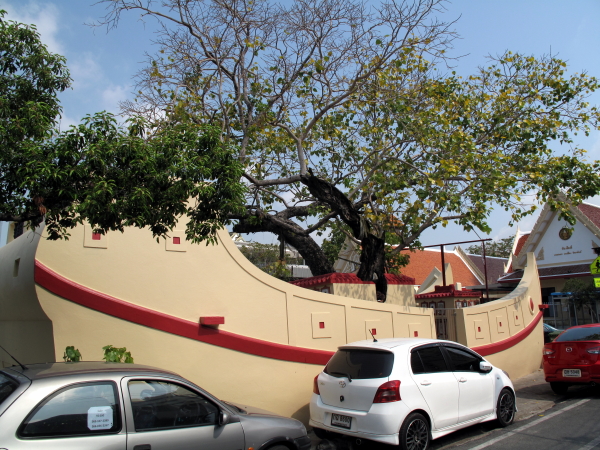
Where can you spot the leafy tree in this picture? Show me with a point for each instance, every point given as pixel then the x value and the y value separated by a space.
pixel 339 113
pixel 500 248
pixel 30 79
pixel 584 295
pixel 333 244
pixel 110 175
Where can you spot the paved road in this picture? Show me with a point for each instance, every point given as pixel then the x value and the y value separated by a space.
pixel 545 421
pixel 571 425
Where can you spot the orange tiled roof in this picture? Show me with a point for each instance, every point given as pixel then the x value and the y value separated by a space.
pixel 518 248
pixel 521 243
pixel 422 263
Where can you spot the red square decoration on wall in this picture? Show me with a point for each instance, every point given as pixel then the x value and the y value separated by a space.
pixel 96 236
pixel 176 240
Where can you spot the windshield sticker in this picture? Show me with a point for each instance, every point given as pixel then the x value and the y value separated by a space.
pixel 100 418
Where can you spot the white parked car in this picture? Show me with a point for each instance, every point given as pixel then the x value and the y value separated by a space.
pixel 408 391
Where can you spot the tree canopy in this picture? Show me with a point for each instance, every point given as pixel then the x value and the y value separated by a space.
pixel 110 175
pixel 343 113
pixel 500 248
pixel 30 79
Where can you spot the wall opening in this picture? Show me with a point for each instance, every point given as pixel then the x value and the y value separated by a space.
pixel 16 267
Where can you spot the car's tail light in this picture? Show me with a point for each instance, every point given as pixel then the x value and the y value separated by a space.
pixel 594 350
pixel 316 386
pixel 548 352
pixel 388 392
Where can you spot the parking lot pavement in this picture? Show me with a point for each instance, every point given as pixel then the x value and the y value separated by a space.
pixel 534 397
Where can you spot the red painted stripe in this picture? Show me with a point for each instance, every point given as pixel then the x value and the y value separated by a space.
pixel 498 347
pixel 106 304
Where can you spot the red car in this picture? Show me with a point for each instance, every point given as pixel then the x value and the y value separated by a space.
pixel 573 358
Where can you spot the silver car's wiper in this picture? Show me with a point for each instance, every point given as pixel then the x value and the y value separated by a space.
pixel 342 373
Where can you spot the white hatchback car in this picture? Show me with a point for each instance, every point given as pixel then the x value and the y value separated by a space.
pixel 408 391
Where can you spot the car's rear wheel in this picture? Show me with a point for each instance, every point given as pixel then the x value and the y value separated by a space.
pixel 414 433
pixel 278 447
pixel 559 388
pixel 506 407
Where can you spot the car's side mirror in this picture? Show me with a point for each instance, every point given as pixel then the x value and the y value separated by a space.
pixel 485 366
pixel 223 418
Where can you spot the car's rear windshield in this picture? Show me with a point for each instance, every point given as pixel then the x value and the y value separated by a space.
pixel 7 386
pixel 360 364
pixel 580 334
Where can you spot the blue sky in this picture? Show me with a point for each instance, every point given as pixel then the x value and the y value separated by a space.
pixel 103 63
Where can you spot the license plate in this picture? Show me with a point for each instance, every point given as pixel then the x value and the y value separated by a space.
pixel 341 421
pixel 571 373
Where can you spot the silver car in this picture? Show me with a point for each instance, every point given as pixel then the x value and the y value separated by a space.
pixel 110 406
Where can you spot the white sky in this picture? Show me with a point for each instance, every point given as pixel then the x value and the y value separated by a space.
pixel 102 64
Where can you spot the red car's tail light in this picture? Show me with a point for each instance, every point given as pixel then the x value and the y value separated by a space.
pixel 316 386
pixel 594 350
pixel 548 351
pixel 388 392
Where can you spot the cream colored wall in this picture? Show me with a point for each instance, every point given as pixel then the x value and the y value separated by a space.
pixel 220 281
pixel 499 320
pixel 362 291
pixel 397 294
pixel 25 330
pixel 401 294
pixel 523 358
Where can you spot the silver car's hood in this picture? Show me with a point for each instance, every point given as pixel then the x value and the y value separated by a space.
pixel 258 425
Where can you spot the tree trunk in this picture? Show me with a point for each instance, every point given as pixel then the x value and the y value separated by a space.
pixel 308 248
pixel 372 257
pixel 18 230
pixel 372 264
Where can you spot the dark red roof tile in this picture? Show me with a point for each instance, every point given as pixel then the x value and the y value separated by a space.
pixel 448 291
pixel 575 270
pixel 495 266
pixel 349 278
pixel 591 212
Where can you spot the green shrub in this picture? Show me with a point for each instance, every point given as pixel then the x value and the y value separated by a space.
pixel 118 355
pixel 72 354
